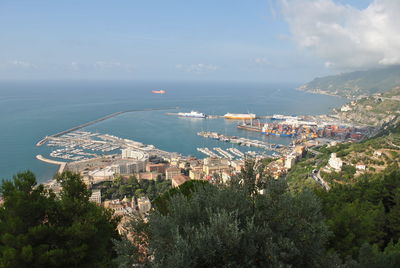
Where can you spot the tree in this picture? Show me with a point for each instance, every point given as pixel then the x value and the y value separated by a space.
pixel 206 225
pixel 39 229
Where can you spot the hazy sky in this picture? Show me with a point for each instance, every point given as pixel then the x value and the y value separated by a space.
pixel 271 41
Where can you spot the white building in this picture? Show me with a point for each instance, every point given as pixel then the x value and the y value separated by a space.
pixel 134 154
pixel 335 162
pixel 361 167
pixel 290 161
pixel 345 108
pixel 132 167
pixel 102 174
pixel 96 196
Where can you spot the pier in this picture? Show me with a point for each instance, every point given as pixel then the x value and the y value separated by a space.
pixel 45 139
pixel 50 161
pixel 242 141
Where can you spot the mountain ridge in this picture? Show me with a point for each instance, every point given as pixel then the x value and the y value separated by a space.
pixel 355 84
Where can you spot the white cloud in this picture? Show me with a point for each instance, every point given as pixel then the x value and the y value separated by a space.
pixel 261 61
pixel 346 37
pixel 21 64
pixel 100 66
pixel 199 68
pixel 112 65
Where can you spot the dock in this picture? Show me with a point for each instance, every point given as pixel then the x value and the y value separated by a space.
pixel 45 139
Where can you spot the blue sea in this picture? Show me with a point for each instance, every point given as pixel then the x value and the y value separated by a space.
pixel 30 110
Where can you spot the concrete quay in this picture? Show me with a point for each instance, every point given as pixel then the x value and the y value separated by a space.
pixel 54 162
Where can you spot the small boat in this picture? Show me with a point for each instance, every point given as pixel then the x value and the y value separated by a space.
pixel 158 91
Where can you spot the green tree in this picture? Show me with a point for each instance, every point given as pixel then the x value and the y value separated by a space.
pixel 38 229
pixel 205 225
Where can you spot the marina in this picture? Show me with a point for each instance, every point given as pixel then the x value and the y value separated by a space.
pixel 84 145
pixel 234 153
pixel 45 139
pixel 241 141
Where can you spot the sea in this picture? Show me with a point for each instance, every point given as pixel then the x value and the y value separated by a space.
pixel 30 110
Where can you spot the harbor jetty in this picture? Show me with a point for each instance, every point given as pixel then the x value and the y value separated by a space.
pixel 54 162
pixel 45 139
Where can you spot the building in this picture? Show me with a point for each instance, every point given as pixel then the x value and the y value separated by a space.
pixel 345 108
pixel 290 161
pixel 148 175
pixel 131 167
pixel 361 167
pixel 96 196
pixel 238 165
pixel 179 179
pixel 172 172
pixel 102 174
pixel 120 207
pixel 335 162
pixel 143 204
pixel 196 173
pixel 160 168
pixel 130 153
pixel 226 176
pixel 215 165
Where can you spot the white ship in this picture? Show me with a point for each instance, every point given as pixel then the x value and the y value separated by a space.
pixel 193 114
pixel 239 116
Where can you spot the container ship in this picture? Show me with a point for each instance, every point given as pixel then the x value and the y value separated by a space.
pixel 158 91
pixel 192 114
pixel 239 116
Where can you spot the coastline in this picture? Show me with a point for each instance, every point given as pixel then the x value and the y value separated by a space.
pixel 321 92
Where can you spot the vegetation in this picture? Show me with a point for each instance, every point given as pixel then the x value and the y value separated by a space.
pixel 38 229
pixel 364 215
pixel 206 225
pixel 131 187
pixel 357 83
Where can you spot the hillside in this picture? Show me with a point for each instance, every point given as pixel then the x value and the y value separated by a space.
pixel 374 110
pixel 356 84
pixel 359 160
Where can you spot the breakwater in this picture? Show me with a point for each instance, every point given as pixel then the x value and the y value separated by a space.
pixel 45 139
pixel 50 161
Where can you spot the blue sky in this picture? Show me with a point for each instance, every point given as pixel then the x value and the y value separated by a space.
pixel 253 40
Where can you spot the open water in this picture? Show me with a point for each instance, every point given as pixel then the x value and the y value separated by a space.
pixel 30 110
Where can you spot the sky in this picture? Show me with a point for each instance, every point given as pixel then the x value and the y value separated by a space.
pixel 224 40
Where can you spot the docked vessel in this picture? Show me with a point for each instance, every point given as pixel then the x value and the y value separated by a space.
pixel 239 116
pixel 192 114
pixel 283 117
pixel 158 91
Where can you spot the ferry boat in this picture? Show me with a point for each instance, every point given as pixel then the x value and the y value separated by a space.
pixel 192 114
pixel 158 91
pixel 239 116
pixel 284 117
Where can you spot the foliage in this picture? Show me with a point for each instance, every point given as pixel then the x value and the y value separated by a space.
pixel 38 229
pixel 367 212
pixel 131 187
pixel 208 225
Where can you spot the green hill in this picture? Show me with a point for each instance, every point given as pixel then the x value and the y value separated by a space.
pixel 355 84
pixel 360 160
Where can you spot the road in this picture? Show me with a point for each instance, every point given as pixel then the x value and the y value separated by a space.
pixel 317 177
